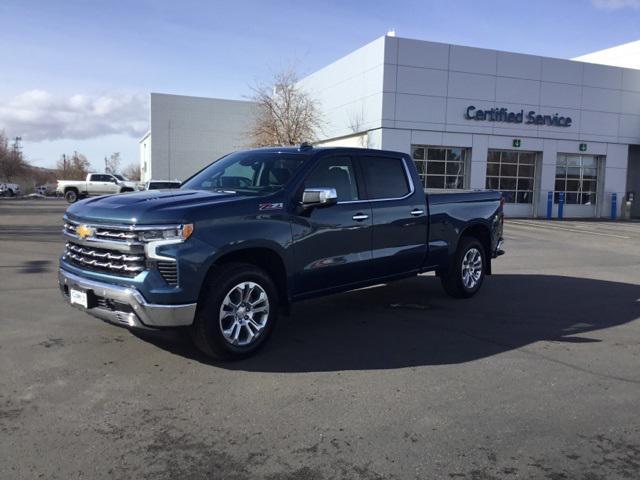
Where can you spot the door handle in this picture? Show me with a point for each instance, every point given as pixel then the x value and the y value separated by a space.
pixel 417 212
pixel 359 217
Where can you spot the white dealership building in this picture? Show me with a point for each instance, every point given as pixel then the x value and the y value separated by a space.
pixel 469 117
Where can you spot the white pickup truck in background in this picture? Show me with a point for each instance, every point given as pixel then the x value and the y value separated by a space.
pixel 9 189
pixel 95 184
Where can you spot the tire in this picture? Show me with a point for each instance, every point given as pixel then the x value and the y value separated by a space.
pixel 126 189
pixel 71 196
pixel 466 273
pixel 218 321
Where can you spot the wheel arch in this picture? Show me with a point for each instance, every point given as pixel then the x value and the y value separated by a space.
pixel 482 233
pixel 265 257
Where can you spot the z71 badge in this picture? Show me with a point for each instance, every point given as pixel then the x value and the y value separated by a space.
pixel 270 206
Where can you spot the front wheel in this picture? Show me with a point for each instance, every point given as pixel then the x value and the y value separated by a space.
pixel 238 310
pixel 466 273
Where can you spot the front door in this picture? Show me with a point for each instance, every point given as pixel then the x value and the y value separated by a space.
pixel 333 244
pixel 111 184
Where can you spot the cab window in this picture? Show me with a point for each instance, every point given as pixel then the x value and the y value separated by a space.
pixel 384 177
pixel 338 173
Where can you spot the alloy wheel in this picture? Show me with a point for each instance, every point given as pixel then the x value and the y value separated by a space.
pixel 244 314
pixel 471 268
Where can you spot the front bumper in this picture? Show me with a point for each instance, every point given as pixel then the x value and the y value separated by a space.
pixel 499 248
pixel 124 306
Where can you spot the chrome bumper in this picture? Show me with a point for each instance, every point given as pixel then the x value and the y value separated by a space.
pixel 125 306
pixel 499 249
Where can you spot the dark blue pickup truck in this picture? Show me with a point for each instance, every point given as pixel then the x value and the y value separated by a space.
pixel 257 230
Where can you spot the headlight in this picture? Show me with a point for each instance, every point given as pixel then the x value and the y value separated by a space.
pixel 180 232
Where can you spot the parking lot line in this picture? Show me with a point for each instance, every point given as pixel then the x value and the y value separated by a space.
pixel 545 226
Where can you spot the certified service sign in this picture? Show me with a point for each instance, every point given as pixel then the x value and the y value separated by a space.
pixel 528 118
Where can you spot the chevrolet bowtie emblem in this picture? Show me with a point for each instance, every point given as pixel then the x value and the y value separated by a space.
pixel 83 231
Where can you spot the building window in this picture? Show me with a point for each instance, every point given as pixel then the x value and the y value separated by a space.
pixel 440 167
pixel 513 174
pixel 577 177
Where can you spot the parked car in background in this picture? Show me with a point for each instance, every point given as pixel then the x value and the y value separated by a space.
pixel 9 189
pixel 94 184
pixel 124 181
pixel 162 184
pixel 260 229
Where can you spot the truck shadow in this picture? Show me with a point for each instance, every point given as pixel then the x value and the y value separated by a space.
pixel 412 323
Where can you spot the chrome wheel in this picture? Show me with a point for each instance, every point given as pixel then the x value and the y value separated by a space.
pixel 244 314
pixel 471 268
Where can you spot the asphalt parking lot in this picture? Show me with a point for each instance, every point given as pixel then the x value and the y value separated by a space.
pixel 536 377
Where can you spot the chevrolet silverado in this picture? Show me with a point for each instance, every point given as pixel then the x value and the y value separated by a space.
pixel 258 230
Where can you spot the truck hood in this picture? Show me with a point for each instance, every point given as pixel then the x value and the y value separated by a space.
pixel 147 207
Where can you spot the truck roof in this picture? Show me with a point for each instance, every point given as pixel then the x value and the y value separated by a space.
pixel 310 150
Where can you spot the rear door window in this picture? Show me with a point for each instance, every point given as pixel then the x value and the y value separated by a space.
pixel 384 177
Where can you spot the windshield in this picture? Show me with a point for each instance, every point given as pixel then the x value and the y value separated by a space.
pixel 121 178
pixel 253 172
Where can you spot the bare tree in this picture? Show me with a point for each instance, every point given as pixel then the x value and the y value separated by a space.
pixel 355 124
pixel 132 171
pixel 112 164
pixel 74 167
pixel 285 114
pixel 12 162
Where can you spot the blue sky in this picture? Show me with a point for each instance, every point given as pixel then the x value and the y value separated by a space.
pixel 76 74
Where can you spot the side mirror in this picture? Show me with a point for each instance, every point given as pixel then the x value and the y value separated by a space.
pixel 319 197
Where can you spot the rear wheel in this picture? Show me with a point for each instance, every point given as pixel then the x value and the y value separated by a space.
pixel 466 273
pixel 238 310
pixel 71 196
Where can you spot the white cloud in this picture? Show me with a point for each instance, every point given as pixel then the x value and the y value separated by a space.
pixel 38 115
pixel 616 4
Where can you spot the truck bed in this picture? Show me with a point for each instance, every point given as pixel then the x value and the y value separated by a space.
pixel 439 196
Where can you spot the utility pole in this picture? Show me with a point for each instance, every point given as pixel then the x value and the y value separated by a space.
pixel 16 144
pixel 105 164
pixel 64 163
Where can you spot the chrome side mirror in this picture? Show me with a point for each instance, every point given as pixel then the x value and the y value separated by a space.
pixel 319 197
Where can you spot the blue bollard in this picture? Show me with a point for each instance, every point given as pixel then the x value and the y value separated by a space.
pixel 549 205
pixel 560 205
pixel 614 205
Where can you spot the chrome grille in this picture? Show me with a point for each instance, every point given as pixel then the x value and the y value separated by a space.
pixel 124 233
pixel 115 249
pixel 169 272
pixel 108 261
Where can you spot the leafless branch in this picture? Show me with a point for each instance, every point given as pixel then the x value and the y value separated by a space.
pixel 285 114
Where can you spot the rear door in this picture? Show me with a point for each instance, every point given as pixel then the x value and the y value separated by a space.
pixel 98 184
pixel 333 244
pixel 400 221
